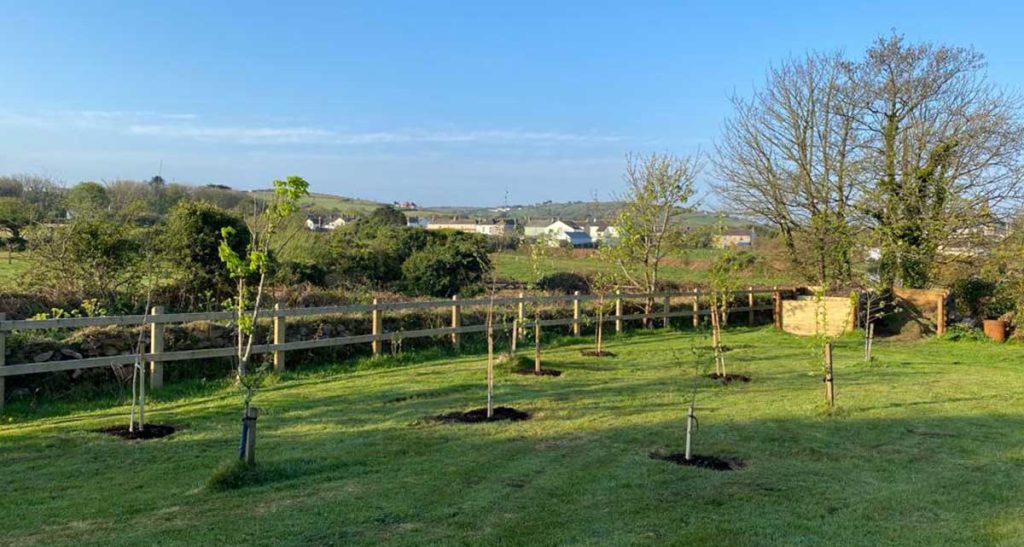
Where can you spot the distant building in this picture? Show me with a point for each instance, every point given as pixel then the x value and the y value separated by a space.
pixel 417 222
pixel 601 232
pixel 320 223
pixel 487 227
pixel 405 205
pixel 559 232
pixel 734 238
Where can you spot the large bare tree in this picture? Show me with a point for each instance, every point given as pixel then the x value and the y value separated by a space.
pixel 789 157
pixel 945 149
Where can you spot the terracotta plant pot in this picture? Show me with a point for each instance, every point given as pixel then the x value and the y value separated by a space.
pixel 995 329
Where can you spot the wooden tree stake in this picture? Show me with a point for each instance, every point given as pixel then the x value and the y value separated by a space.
pixel 280 326
pixel 156 345
pixel 377 329
pixel 830 392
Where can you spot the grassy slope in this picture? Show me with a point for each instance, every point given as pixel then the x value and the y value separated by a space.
pixel 517 266
pixel 926 450
pixel 348 206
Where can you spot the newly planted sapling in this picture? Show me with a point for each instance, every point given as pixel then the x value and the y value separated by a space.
pixel 722 282
pixel 822 343
pixel 701 365
pixel 249 270
pixel 601 285
pixel 538 259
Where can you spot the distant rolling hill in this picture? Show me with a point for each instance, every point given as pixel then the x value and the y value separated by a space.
pixel 571 210
pixel 330 202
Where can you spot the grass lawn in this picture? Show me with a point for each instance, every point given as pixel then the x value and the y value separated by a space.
pixel 926 448
pixel 517 266
pixel 12 267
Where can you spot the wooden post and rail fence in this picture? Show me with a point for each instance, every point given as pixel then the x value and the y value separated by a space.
pixel 278 316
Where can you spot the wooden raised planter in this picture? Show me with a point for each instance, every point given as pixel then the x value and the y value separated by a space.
pixel 995 329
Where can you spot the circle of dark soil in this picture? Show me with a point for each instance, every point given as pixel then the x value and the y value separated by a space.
pixel 479 415
pixel 713 463
pixel 150 431
pixel 594 353
pixel 543 372
pixel 729 378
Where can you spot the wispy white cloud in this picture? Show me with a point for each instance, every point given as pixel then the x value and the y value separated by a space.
pixel 314 135
pixel 239 135
pixel 189 127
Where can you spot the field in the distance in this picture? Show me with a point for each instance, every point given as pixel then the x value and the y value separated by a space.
pixel 13 266
pixel 690 267
pixel 925 449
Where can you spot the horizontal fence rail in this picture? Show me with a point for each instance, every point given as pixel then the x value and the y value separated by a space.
pixel 661 308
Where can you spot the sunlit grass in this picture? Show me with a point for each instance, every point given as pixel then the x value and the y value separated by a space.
pixel 925 449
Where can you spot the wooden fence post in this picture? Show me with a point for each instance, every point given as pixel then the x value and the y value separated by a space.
pixel 279 338
pixel 456 321
pixel 156 345
pixel 940 315
pixel 750 305
pixel 696 308
pixel 3 360
pixel 776 307
pixel 576 314
pixel 618 312
pixel 666 309
pixel 521 313
pixel 378 325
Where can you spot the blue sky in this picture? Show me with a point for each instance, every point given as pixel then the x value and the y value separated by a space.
pixel 437 102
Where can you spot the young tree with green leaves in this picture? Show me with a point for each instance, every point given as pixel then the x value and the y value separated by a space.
pixel 658 189
pixel 538 258
pixel 249 270
pixel 722 282
pixel 601 285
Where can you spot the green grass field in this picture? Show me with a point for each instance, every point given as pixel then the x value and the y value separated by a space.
pixel 924 449
pixel 12 267
pixel 348 206
pixel 691 269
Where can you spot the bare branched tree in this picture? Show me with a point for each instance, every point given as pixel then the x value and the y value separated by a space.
pixel 789 157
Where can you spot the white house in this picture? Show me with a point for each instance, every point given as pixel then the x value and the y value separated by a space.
pixel 559 231
pixel 602 232
pixel 320 223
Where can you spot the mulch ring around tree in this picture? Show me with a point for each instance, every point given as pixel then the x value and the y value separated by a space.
pixel 534 372
pixel 729 378
pixel 150 431
pixel 713 463
pixel 595 353
pixel 479 415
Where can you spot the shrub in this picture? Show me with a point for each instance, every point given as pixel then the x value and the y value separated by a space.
pixel 93 257
pixel 564 282
pixel 960 332
pixel 189 244
pixel 450 264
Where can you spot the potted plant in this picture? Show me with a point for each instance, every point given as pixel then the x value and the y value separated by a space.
pixel 993 325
